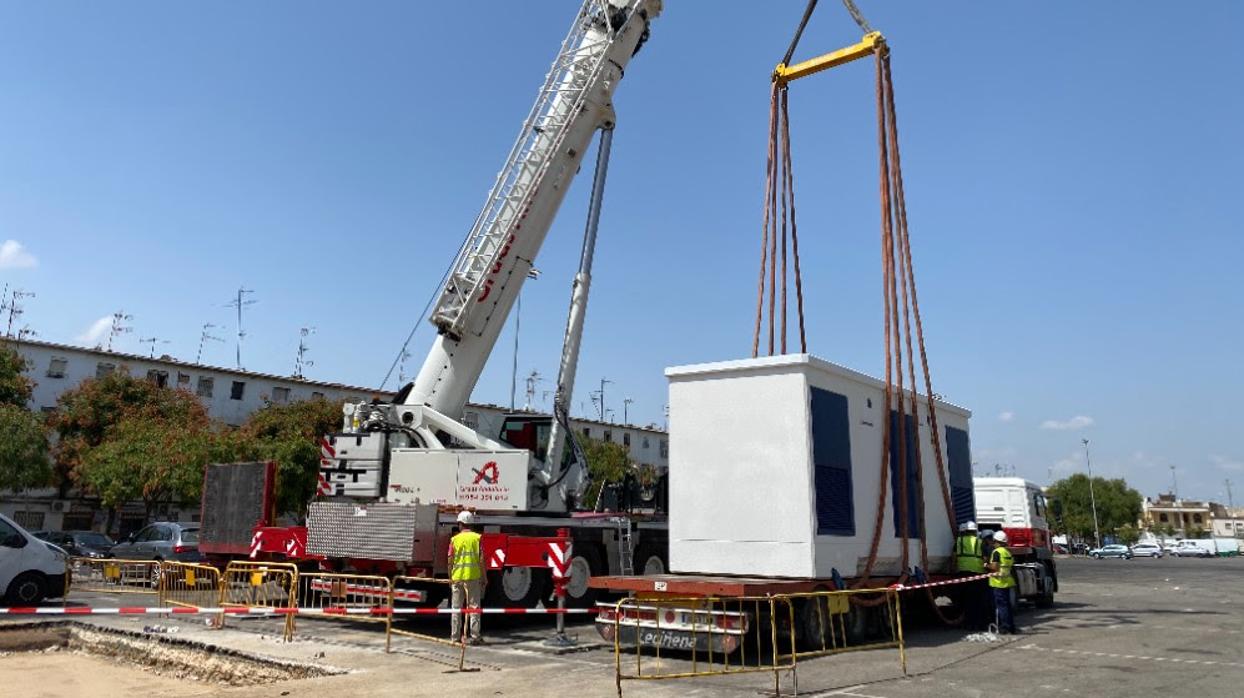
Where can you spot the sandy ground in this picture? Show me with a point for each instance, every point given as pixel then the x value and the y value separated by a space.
pixel 62 674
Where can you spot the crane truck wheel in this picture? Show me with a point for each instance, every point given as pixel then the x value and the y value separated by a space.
pixel 585 561
pixel 516 587
pixel 649 560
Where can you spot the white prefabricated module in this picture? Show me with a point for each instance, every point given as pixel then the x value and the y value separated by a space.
pixel 775 470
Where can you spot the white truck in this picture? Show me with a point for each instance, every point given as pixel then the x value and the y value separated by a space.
pixel 397 473
pixel 1019 508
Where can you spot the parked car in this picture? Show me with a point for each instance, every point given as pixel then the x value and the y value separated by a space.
pixel 79 543
pixel 161 541
pixel 1147 550
pixel 1113 550
pixel 30 569
pixel 1194 548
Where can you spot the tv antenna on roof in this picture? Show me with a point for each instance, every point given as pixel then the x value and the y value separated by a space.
pixel 118 327
pixel 204 337
pixel 302 361
pixel 239 303
pixel 153 341
pixel 14 306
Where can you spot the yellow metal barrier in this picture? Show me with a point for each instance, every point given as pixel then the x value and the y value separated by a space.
pixel 404 583
pixel 822 615
pixel 189 584
pixel 113 576
pixel 710 636
pixel 699 636
pixel 333 595
pixel 271 585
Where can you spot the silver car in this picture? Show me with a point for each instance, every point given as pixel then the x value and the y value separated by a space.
pixel 161 541
pixel 1147 550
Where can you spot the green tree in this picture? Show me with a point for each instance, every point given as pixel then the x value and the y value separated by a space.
pixel 606 462
pixel 1117 504
pixel 150 460
pixel 1127 534
pixel 288 434
pixel 24 458
pixel 15 387
pixel 85 414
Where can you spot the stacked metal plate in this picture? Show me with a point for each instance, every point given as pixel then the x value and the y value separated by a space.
pixel 377 531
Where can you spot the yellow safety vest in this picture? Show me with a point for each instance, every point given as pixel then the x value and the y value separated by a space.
pixel 968 554
pixel 1002 579
pixel 466 562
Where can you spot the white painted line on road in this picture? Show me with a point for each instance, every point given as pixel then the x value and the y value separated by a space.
pixel 851 691
pixel 1112 655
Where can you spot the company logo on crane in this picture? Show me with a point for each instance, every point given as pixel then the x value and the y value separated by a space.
pixel 488 475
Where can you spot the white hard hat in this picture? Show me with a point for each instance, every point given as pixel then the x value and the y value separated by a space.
pixel 466 518
pixel 970 526
pixel 1000 536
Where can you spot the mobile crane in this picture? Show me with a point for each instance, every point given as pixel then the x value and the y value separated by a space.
pixel 397 472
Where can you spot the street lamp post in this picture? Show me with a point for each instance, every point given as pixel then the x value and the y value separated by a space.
pixel 1092 495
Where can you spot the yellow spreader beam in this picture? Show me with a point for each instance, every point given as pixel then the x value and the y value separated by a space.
pixel 870 43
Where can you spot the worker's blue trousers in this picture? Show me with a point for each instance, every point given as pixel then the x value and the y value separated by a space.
pixel 1004 610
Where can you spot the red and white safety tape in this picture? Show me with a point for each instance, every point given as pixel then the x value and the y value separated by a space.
pixel 946 582
pixel 265 611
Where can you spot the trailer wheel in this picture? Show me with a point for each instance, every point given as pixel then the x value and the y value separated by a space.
pixel 814 623
pixel 648 560
pixel 516 587
pixel 585 561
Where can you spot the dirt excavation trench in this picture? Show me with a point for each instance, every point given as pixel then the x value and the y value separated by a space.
pixel 67 658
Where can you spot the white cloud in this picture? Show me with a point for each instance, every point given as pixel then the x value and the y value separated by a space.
pixel 97 331
pixel 1073 462
pixel 1225 463
pixel 14 256
pixel 1006 416
pixel 1073 424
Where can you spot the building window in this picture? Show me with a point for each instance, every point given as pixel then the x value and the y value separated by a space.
pixel 587 431
pixel 665 448
pixel 29 520
pixel 1196 518
pixel 626 439
pixel 317 396
pixel 237 390
pixel 280 395
pixel 1163 518
pixel 56 368
pixel 471 419
pixel 183 380
pixel 609 435
pixel 205 386
pixel 160 378
pixel 646 444
pixel 103 369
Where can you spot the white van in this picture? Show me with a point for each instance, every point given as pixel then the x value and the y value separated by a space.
pixel 30 569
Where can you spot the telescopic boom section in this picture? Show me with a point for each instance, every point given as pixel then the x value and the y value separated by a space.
pixel 501 248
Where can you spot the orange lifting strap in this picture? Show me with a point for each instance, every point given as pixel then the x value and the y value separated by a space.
pixel 900 303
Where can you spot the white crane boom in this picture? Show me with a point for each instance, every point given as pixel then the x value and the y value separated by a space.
pixel 502 245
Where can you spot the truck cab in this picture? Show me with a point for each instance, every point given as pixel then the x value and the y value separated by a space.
pixel 1013 505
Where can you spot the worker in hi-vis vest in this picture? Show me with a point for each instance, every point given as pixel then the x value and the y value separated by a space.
pixel 466 571
pixel 1002 581
pixel 970 560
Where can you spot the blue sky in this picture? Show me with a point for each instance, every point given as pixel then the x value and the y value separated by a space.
pixel 1072 178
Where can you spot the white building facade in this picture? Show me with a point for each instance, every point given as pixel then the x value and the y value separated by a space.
pixel 230 396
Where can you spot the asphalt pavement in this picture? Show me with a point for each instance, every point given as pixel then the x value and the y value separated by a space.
pixel 1141 627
